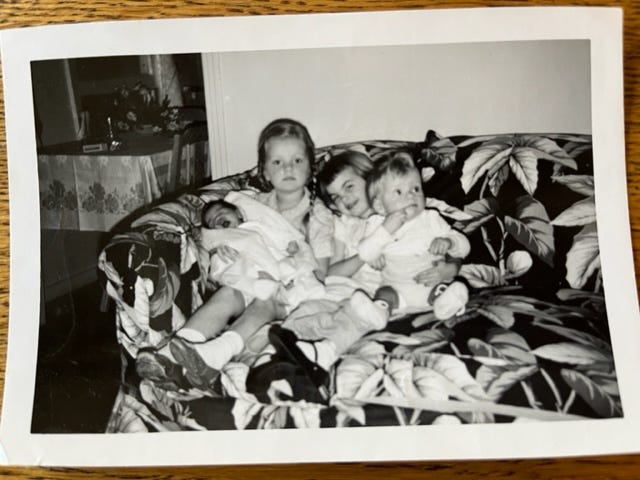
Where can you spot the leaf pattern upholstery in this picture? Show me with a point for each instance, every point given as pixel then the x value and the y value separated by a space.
pixel 533 342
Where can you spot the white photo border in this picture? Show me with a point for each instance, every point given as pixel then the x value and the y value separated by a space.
pixel 602 26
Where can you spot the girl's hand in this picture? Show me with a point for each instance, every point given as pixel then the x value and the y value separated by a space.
pixel 227 254
pixel 441 272
pixel 378 263
pixel 394 220
pixel 440 246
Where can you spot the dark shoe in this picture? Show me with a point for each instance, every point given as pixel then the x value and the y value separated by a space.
pixel 266 383
pixel 198 373
pixel 159 369
pixel 284 342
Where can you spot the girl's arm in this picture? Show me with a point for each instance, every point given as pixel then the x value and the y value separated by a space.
pixel 320 235
pixel 347 267
pixel 341 266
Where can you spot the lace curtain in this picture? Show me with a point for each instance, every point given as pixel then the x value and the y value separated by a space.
pixel 163 69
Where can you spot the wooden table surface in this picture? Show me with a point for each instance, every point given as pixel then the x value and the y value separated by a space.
pixel 19 13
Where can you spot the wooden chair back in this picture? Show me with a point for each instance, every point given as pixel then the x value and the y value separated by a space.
pixel 193 134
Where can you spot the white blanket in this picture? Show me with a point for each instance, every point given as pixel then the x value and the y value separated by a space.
pixel 264 268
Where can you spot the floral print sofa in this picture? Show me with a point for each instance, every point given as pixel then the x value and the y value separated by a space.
pixel 533 342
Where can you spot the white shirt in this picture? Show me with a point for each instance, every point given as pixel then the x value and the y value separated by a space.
pixel 348 233
pixel 406 252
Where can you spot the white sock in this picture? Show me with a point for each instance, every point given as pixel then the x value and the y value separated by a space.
pixel 191 335
pixel 323 353
pixel 218 352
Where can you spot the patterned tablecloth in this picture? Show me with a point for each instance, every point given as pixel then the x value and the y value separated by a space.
pixel 95 192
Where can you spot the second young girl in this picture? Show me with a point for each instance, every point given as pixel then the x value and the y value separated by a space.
pixel 315 335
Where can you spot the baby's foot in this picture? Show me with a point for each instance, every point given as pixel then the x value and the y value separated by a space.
pixel 375 314
pixel 387 297
pixel 450 301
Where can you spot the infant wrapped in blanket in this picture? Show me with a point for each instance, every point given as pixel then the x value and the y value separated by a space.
pixel 274 259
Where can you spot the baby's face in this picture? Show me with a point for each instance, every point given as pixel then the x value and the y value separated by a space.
pixel 348 194
pixel 220 216
pixel 401 193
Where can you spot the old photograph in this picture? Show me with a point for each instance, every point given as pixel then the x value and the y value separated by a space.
pixel 506 320
pixel 403 236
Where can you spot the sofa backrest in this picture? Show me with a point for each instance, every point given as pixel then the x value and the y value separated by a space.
pixel 509 193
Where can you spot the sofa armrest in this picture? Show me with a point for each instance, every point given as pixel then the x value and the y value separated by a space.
pixel 155 273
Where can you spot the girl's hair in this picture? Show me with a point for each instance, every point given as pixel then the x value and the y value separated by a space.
pixel 360 163
pixel 397 164
pixel 285 128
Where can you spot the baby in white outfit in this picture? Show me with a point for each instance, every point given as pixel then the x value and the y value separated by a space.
pixel 273 258
pixel 411 239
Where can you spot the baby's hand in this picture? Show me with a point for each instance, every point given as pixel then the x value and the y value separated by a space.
pixel 378 263
pixel 440 246
pixel 227 254
pixel 394 220
pixel 292 247
pixel 441 272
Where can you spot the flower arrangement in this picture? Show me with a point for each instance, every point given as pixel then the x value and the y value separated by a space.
pixel 138 106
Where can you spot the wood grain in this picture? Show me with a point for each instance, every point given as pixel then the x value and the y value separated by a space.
pixel 22 13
